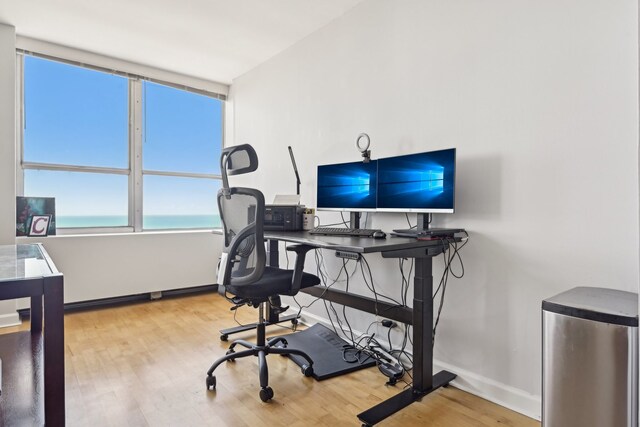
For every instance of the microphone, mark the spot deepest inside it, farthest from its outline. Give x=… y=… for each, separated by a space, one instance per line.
x=295 y=169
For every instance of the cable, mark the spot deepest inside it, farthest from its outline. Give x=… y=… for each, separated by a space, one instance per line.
x=353 y=352
x=449 y=255
x=348 y=225
x=409 y=222
x=371 y=286
x=323 y=275
x=286 y=254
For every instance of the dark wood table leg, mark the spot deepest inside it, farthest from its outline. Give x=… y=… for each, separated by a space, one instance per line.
x=54 y=399
x=36 y=313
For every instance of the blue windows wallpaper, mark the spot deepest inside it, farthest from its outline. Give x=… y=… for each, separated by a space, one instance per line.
x=423 y=181
x=347 y=186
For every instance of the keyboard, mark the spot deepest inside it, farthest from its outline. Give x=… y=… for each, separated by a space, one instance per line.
x=351 y=232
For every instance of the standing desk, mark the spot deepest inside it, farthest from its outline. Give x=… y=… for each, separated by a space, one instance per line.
x=27 y=271
x=420 y=316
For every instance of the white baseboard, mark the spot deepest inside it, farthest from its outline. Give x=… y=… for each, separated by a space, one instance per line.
x=494 y=391
x=11 y=319
x=486 y=388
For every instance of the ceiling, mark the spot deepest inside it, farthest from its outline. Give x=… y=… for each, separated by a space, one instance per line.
x=216 y=40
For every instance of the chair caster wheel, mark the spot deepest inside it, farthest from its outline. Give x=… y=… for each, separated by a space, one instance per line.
x=266 y=394
x=307 y=370
x=230 y=351
x=211 y=382
x=224 y=337
x=294 y=321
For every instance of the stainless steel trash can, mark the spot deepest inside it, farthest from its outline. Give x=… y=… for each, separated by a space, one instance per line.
x=590 y=359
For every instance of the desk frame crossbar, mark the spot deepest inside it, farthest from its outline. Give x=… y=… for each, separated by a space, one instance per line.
x=370 y=305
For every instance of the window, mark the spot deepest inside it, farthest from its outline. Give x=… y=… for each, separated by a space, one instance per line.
x=118 y=151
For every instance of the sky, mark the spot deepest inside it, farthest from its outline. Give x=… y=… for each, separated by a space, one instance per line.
x=76 y=116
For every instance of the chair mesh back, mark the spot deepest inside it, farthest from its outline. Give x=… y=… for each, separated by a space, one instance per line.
x=243 y=234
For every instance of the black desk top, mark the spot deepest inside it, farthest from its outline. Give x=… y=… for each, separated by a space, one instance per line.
x=351 y=244
x=348 y=243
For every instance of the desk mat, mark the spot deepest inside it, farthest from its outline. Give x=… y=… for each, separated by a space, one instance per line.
x=325 y=349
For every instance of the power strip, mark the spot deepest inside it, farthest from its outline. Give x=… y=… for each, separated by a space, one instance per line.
x=348 y=255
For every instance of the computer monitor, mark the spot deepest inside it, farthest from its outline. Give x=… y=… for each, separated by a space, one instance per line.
x=347 y=186
x=423 y=182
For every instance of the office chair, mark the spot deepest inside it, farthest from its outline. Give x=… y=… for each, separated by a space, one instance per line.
x=243 y=273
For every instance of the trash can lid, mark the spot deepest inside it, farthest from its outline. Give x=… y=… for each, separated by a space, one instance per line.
x=598 y=304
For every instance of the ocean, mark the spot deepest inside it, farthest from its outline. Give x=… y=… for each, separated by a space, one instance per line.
x=149 y=222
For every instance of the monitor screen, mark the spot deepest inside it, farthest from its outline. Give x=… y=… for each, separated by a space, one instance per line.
x=347 y=186
x=422 y=182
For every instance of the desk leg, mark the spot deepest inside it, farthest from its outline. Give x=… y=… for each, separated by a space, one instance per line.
x=35 y=313
x=273 y=260
x=273 y=254
x=423 y=324
x=424 y=382
x=54 y=406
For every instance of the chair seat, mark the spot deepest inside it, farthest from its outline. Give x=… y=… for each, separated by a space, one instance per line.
x=274 y=281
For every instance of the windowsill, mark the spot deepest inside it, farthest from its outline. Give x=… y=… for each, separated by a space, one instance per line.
x=216 y=231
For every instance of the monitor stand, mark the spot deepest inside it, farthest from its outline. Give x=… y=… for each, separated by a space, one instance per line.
x=354 y=220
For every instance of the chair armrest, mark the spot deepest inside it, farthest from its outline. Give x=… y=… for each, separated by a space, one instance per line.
x=301 y=253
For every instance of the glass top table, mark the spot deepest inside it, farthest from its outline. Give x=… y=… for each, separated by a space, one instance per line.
x=18 y=262
x=28 y=271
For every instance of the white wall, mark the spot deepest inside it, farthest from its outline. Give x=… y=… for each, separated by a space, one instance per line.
x=7 y=133
x=104 y=266
x=541 y=101
x=8 y=314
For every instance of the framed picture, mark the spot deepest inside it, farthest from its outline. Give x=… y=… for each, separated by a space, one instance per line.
x=27 y=207
x=39 y=226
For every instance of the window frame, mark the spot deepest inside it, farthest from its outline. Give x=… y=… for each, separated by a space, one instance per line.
x=134 y=171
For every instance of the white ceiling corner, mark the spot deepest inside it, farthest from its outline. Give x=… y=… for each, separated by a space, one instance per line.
x=216 y=40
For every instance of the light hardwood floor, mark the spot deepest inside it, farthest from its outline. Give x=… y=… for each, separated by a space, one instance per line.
x=145 y=365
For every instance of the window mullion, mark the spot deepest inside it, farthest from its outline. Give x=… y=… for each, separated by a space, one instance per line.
x=19 y=124
x=135 y=157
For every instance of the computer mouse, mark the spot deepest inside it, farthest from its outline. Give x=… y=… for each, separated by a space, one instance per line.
x=379 y=234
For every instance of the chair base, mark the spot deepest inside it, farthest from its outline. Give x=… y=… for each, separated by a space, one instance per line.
x=261 y=350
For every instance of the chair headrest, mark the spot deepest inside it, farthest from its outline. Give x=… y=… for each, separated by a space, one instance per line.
x=237 y=160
